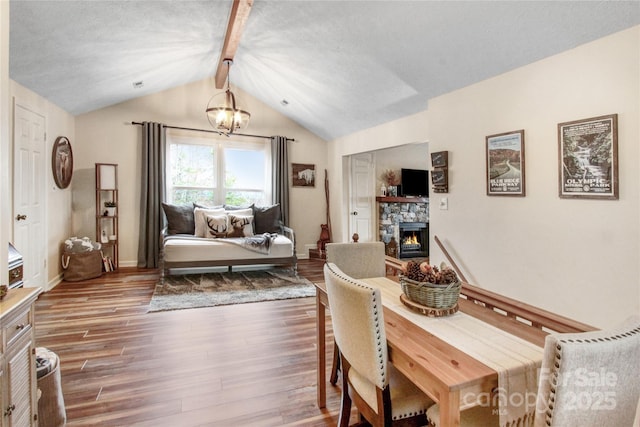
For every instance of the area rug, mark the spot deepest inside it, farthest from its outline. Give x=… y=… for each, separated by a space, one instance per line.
x=212 y=289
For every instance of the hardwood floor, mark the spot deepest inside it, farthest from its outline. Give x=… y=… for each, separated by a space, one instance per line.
x=239 y=365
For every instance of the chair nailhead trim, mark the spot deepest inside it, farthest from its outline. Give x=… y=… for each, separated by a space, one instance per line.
x=380 y=348
x=619 y=336
x=558 y=359
x=410 y=414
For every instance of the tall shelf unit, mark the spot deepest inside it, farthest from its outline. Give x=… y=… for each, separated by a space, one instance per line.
x=107 y=215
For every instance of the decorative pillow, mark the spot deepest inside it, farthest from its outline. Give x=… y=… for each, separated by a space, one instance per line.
x=179 y=219
x=198 y=205
x=237 y=208
x=267 y=219
x=242 y=212
x=217 y=225
x=245 y=211
x=200 y=217
x=240 y=225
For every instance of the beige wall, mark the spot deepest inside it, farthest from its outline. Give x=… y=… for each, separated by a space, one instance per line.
x=410 y=156
x=58 y=201
x=408 y=130
x=578 y=258
x=105 y=136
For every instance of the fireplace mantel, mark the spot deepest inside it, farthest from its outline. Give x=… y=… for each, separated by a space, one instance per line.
x=385 y=199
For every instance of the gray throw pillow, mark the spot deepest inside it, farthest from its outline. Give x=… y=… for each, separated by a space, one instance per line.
x=198 y=205
x=237 y=208
x=179 y=218
x=266 y=219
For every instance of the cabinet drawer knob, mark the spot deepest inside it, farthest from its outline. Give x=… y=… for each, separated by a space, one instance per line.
x=20 y=326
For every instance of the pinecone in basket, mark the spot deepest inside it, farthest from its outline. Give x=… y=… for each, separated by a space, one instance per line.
x=433 y=276
x=423 y=272
x=414 y=272
x=448 y=275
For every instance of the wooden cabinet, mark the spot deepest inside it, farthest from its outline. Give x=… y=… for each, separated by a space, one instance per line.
x=107 y=213
x=18 y=383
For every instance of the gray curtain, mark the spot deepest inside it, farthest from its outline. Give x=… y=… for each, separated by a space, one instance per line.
x=151 y=193
x=280 y=175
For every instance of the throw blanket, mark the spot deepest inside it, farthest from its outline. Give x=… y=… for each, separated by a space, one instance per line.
x=260 y=243
x=516 y=361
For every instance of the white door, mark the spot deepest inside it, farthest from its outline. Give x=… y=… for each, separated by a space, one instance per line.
x=29 y=167
x=361 y=197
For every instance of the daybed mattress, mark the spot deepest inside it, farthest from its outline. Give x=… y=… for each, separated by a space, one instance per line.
x=201 y=249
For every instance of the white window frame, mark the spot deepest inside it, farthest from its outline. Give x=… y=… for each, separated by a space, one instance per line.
x=220 y=143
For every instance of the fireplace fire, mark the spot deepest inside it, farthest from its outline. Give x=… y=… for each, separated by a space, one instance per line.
x=414 y=239
x=411 y=240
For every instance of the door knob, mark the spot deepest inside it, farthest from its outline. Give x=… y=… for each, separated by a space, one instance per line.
x=20 y=217
x=354 y=213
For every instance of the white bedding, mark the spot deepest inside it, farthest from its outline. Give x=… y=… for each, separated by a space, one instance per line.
x=201 y=249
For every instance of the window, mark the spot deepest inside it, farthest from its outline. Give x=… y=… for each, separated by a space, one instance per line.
x=212 y=171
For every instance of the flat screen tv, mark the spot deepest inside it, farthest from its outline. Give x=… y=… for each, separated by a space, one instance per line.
x=415 y=182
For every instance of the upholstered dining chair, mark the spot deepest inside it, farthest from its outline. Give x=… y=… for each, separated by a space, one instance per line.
x=587 y=379
x=383 y=396
x=357 y=260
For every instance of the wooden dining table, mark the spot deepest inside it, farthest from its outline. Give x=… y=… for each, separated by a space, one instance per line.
x=442 y=371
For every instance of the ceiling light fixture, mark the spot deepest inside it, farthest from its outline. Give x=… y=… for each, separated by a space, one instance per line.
x=222 y=112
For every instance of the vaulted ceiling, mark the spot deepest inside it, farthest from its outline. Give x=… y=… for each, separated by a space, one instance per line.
x=339 y=66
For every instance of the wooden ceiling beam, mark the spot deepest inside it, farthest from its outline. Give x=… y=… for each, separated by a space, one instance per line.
x=237 y=19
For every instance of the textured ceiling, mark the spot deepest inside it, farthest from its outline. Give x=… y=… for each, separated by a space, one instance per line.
x=342 y=66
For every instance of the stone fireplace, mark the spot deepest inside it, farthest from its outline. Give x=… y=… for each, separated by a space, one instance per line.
x=410 y=213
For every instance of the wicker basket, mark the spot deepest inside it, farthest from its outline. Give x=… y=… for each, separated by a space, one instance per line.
x=431 y=294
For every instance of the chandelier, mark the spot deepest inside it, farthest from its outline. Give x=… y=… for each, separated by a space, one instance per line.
x=222 y=112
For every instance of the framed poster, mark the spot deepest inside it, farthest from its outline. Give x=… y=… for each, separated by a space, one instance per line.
x=303 y=175
x=62 y=162
x=505 y=164
x=588 y=158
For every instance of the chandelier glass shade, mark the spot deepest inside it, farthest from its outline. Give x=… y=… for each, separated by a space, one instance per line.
x=223 y=113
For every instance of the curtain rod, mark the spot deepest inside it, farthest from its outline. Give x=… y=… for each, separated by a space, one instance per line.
x=218 y=132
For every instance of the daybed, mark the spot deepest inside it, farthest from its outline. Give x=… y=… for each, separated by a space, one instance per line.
x=198 y=236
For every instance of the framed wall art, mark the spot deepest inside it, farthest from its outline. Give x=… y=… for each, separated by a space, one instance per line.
x=505 y=164
x=62 y=162
x=439 y=177
x=439 y=159
x=304 y=175
x=588 y=158
x=440 y=174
